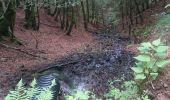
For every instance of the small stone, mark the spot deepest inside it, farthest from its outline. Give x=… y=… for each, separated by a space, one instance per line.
x=158 y=87
x=3 y=59
x=88 y=59
x=161 y=97
x=108 y=65
x=112 y=59
x=165 y=85
x=76 y=57
x=98 y=65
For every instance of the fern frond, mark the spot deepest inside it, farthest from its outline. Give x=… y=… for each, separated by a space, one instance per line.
x=46 y=94
x=20 y=93
x=32 y=93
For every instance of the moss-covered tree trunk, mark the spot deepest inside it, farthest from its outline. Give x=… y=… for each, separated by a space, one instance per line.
x=31 y=14
x=84 y=15
x=72 y=23
x=7 y=18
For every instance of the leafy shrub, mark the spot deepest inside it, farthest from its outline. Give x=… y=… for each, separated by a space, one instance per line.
x=163 y=24
x=81 y=95
x=151 y=60
x=129 y=91
x=31 y=93
x=143 y=31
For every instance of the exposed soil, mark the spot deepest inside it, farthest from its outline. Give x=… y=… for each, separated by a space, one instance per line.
x=49 y=42
x=99 y=61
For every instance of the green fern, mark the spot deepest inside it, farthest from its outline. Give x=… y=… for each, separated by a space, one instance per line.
x=32 y=92
x=19 y=94
x=81 y=95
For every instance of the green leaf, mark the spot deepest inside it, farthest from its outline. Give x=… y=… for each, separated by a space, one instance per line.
x=151 y=64
x=140 y=77
x=156 y=42
x=162 y=48
x=154 y=75
x=137 y=69
x=143 y=49
x=161 y=55
x=155 y=69
x=146 y=45
x=139 y=64
x=144 y=58
x=163 y=63
x=33 y=83
x=20 y=83
x=53 y=83
x=146 y=71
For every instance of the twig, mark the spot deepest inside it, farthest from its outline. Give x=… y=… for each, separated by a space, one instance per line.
x=152 y=86
x=58 y=66
x=49 y=25
x=23 y=51
x=36 y=40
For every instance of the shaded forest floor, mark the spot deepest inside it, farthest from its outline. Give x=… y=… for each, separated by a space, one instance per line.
x=51 y=44
x=48 y=44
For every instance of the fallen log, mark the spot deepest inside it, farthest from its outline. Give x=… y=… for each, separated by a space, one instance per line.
x=57 y=66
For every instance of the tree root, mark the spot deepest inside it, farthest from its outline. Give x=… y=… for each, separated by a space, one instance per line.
x=23 y=51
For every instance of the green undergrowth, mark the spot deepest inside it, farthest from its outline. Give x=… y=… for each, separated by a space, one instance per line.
x=159 y=28
x=144 y=31
x=32 y=92
x=162 y=28
x=163 y=23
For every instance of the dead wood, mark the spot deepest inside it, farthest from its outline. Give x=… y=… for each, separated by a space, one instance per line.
x=48 y=25
x=23 y=51
x=58 y=66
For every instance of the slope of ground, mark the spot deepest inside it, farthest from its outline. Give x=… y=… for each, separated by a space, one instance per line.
x=159 y=22
x=49 y=42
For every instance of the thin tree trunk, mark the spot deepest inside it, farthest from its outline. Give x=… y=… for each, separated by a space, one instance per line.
x=84 y=15
x=88 y=15
x=138 y=10
x=72 y=21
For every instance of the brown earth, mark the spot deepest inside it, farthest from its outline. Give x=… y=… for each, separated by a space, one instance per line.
x=49 y=42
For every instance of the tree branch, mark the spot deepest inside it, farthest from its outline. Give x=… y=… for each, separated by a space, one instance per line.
x=23 y=51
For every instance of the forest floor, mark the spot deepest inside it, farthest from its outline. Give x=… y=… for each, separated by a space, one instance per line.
x=40 y=48
x=50 y=44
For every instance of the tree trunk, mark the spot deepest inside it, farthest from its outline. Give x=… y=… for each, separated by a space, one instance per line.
x=72 y=22
x=84 y=15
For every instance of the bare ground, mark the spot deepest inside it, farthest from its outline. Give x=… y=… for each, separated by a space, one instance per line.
x=49 y=42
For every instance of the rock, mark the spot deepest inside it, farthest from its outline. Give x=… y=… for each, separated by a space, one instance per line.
x=165 y=85
x=3 y=59
x=112 y=59
x=98 y=65
x=161 y=97
x=76 y=57
x=108 y=65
